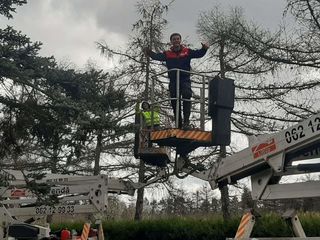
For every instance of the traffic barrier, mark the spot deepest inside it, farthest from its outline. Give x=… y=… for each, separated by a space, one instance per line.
x=85 y=231
x=245 y=226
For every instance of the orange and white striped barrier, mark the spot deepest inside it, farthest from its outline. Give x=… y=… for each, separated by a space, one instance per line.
x=192 y=134
x=85 y=231
x=245 y=227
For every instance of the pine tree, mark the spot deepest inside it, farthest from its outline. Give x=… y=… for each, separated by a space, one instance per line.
x=135 y=69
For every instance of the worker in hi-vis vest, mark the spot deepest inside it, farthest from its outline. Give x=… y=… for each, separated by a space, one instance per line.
x=147 y=115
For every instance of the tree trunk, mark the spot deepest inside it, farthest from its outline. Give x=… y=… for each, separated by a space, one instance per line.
x=55 y=154
x=140 y=194
x=96 y=168
x=225 y=202
x=140 y=191
x=224 y=190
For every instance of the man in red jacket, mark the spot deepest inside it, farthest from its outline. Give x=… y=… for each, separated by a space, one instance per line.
x=179 y=56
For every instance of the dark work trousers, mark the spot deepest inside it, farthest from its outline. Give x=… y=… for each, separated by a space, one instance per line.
x=185 y=93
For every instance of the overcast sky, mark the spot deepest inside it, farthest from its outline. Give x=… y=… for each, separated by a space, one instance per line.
x=69 y=29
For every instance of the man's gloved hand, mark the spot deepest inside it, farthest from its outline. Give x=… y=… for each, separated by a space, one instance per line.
x=205 y=45
x=147 y=51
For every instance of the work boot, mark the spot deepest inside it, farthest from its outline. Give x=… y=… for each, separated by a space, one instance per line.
x=186 y=125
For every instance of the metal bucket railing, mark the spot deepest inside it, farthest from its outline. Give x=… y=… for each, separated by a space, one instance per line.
x=200 y=87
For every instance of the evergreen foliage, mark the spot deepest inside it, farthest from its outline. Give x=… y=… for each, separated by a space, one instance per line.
x=269 y=225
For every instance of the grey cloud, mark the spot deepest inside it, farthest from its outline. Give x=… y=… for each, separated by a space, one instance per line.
x=70 y=27
x=112 y=15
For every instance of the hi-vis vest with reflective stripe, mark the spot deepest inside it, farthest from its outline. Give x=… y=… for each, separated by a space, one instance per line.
x=147 y=117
